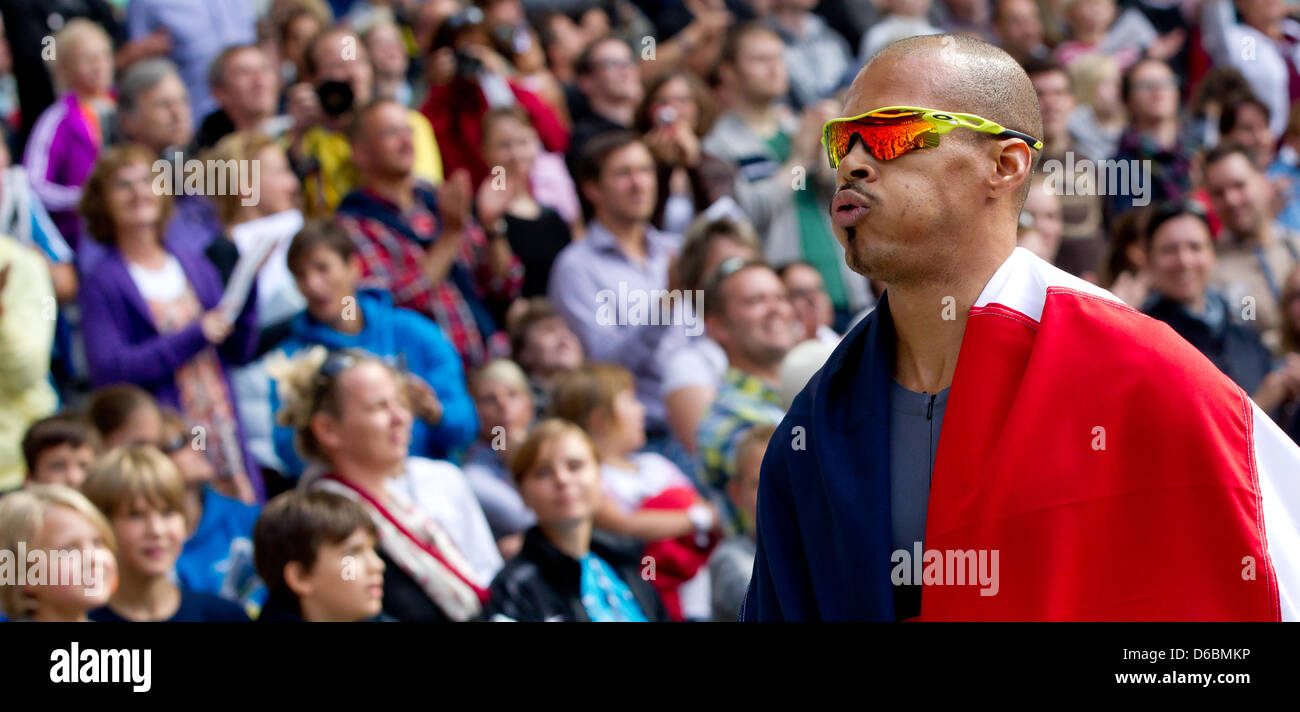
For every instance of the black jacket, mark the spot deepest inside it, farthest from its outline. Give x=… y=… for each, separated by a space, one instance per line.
x=1235 y=348
x=543 y=583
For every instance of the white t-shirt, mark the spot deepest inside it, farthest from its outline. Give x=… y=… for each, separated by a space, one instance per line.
x=440 y=490
x=700 y=363
x=161 y=285
x=654 y=474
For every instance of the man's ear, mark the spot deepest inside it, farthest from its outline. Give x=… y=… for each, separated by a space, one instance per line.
x=297 y=579
x=1012 y=167
x=590 y=191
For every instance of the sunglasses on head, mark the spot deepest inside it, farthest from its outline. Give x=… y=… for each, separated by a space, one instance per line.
x=335 y=363
x=891 y=131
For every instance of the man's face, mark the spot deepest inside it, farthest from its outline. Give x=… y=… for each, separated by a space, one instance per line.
x=627 y=185
x=1054 y=99
x=1238 y=192
x=386 y=146
x=342 y=57
x=551 y=347
x=1181 y=259
x=250 y=85
x=1153 y=92
x=757 y=320
x=760 y=67
x=614 y=78
x=385 y=45
x=903 y=220
x=1091 y=16
x=1252 y=132
x=812 y=305
x=162 y=118
x=1019 y=26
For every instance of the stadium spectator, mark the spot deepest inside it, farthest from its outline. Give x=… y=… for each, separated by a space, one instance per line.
x=350 y=415
x=70 y=133
x=423 y=246
x=54 y=518
x=140 y=491
x=784 y=185
x=151 y=315
x=565 y=572
x=338 y=82
x=59 y=450
x=324 y=261
x=308 y=546
x=470 y=79
x=692 y=373
x=732 y=561
x=197 y=32
x=622 y=258
x=544 y=346
x=526 y=186
x=505 y=410
x=1181 y=255
x=646 y=496
x=1255 y=253
x=27 y=314
x=748 y=312
x=247 y=91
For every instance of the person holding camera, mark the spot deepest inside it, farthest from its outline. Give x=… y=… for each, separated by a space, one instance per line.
x=469 y=79
x=339 y=79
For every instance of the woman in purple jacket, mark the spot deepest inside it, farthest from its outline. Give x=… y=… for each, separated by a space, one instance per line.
x=150 y=316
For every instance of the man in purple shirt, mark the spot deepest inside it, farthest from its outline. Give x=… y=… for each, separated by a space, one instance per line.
x=612 y=287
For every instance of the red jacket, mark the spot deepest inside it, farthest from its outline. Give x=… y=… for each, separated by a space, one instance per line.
x=456 y=111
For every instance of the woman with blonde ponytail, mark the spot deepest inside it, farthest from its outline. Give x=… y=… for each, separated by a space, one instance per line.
x=351 y=417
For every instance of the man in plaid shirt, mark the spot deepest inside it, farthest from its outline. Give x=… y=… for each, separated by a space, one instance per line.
x=422 y=245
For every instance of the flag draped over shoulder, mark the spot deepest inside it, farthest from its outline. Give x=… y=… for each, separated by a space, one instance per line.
x=1114 y=471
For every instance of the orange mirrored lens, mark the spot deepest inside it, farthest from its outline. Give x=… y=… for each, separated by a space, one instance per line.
x=885 y=138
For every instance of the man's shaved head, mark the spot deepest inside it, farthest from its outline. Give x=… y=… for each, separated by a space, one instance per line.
x=934 y=210
x=977 y=78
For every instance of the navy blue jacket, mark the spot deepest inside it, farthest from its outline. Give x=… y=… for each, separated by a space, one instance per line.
x=823 y=496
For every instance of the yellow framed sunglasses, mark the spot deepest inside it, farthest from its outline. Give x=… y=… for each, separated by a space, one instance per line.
x=891 y=131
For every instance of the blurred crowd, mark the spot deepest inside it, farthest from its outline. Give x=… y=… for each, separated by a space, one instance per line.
x=487 y=309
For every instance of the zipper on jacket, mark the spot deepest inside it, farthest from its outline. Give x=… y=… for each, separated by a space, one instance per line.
x=929 y=409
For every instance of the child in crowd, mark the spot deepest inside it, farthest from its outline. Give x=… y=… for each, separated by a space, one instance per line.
x=218 y=554
x=59 y=450
x=142 y=494
x=732 y=562
x=124 y=415
x=564 y=572
x=69 y=134
x=505 y=411
x=543 y=345
x=316 y=551
x=55 y=518
x=646 y=496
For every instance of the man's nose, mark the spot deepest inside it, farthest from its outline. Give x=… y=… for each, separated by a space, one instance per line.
x=857 y=165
